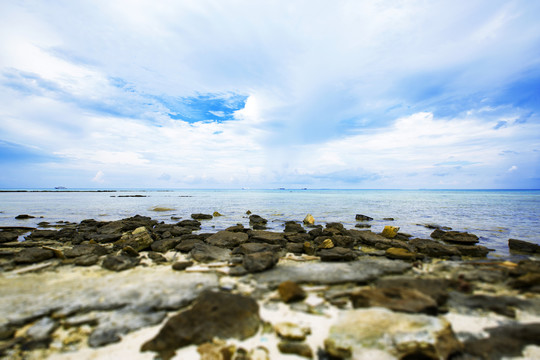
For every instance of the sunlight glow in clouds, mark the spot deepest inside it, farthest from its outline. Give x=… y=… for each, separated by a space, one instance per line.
x=237 y=93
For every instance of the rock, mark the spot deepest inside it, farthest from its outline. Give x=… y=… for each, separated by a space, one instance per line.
x=227 y=239
x=337 y=254
x=86 y=249
x=455 y=237
x=259 y=261
x=294 y=347
x=216 y=214
x=360 y=217
x=216 y=350
x=395 y=298
x=503 y=305
x=6 y=236
x=119 y=262
x=209 y=253
x=39 y=334
x=523 y=246
x=87 y=260
x=294 y=248
x=293 y=227
x=181 y=265
x=525 y=282
x=187 y=245
x=33 y=255
x=268 y=237
x=213 y=314
x=43 y=234
x=139 y=239
x=298 y=237
x=201 y=216
x=326 y=244
x=402 y=254
x=363 y=226
x=388 y=219
x=308 y=248
x=361 y=271
x=165 y=245
x=436 y=288
x=309 y=220
x=236 y=228
x=156 y=257
x=257 y=220
x=377 y=241
x=250 y=248
x=259 y=353
x=506 y=341
x=129 y=252
x=390 y=232
x=289 y=291
x=193 y=224
x=291 y=331
x=24 y=217
x=433 y=248
x=473 y=250
x=382 y=334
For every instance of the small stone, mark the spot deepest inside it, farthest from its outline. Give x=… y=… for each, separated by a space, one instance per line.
x=260 y=261
x=156 y=257
x=201 y=216
x=388 y=219
x=216 y=214
x=24 y=217
x=309 y=220
x=259 y=353
x=290 y=291
x=181 y=265
x=360 y=217
x=298 y=348
x=216 y=350
x=326 y=244
x=390 y=232
x=290 y=331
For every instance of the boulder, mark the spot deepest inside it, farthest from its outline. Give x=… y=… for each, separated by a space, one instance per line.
x=213 y=315
x=250 y=248
x=390 y=232
x=24 y=217
x=165 y=245
x=396 y=299
x=256 y=220
x=291 y=331
x=433 y=248
x=382 y=334
x=259 y=261
x=523 y=246
x=85 y=250
x=309 y=220
x=201 y=216
x=119 y=262
x=293 y=227
x=436 y=288
x=268 y=237
x=456 y=237
x=367 y=237
x=337 y=254
x=139 y=239
x=227 y=239
x=290 y=291
x=86 y=260
x=187 y=245
x=473 y=250
x=33 y=255
x=209 y=253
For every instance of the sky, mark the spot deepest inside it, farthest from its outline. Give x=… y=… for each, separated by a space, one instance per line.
x=389 y=94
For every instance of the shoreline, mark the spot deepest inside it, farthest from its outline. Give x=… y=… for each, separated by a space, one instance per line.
x=113 y=285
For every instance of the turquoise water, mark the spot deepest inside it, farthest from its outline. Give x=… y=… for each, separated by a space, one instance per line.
x=495 y=216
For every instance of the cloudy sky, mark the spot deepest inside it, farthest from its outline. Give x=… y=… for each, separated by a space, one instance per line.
x=265 y=94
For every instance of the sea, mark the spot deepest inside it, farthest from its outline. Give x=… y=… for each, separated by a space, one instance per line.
x=494 y=215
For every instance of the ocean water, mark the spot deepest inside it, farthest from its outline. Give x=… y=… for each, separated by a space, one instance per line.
x=493 y=215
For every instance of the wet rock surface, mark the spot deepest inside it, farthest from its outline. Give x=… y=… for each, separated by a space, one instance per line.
x=323 y=291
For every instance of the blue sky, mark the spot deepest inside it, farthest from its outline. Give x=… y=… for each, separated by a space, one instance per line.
x=260 y=94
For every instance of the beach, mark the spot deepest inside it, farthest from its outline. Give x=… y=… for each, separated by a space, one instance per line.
x=138 y=287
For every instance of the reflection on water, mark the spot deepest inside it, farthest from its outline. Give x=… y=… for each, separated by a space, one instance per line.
x=495 y=216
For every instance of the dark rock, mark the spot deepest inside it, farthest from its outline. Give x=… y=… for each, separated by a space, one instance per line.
x=361 y=271
x=456 y=237
x=7 y=331
x=227 y=239
x=396 y=299
x=182 y=265
x=298 y=237
x=38 y=336
x=250 y=248
x=360 y=217
x=268 y=237
x=6 y=236
x=293 y=227
x=139 y=239
x=388 y=219
x=236 y=228
x=362 y=226
x=86 y=260
x=527 y=281
x=473 y=250
x=257 y=221
x=503 y=305
x=129 y=252
x=213 y=314
x=295 y=248
x=523 y=246
x=201 y=216
x=504 y=341
x=436 y=288
x=259 y=261
x=289 y=291
x=337 y=254
x=43 y=234
x=343 y=241
x=119 y=262
x=24 y=217
x=156 y=257
x=104 y=238
x=86 y=249
x=295 y=347
x=165 y=245
x=335 y=225
x=377 y=241
x=33 y=255
x=237 y=271
x=209 y=253
x=187 y=245
x=435 y=226
x=402 y=237
x=189 y=224
x=433 y=248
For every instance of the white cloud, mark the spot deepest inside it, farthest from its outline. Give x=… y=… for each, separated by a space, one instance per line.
x=512 y=168
x=98 y=178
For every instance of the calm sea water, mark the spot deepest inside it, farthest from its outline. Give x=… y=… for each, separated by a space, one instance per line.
x=495 y=216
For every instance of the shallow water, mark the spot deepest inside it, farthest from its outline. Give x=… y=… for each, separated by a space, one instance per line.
x=495 y=216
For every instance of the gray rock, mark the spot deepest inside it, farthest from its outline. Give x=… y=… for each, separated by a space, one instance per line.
x=293 y=227
x=39 y=334
x=87 y=260
x=455 y=237
x=436 y=288
x=139 y=239
x=433 y=248
x=268 y=237
x=119 y=262
x=6 y=236
x=361 y=271
x=257 y=220
x=250 y=248
x=86 y=249
x=523 y=246
x=503 y=305
x=337 y=254
x=295 y=347
x=187 y=245
x=227 y=239
x=260 y=261
x=367 y=237
x=209 y=253
x=473 y=250
x=165 y=245
x=33 y=255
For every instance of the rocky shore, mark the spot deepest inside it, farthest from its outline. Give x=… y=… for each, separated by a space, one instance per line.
x=141 y=289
